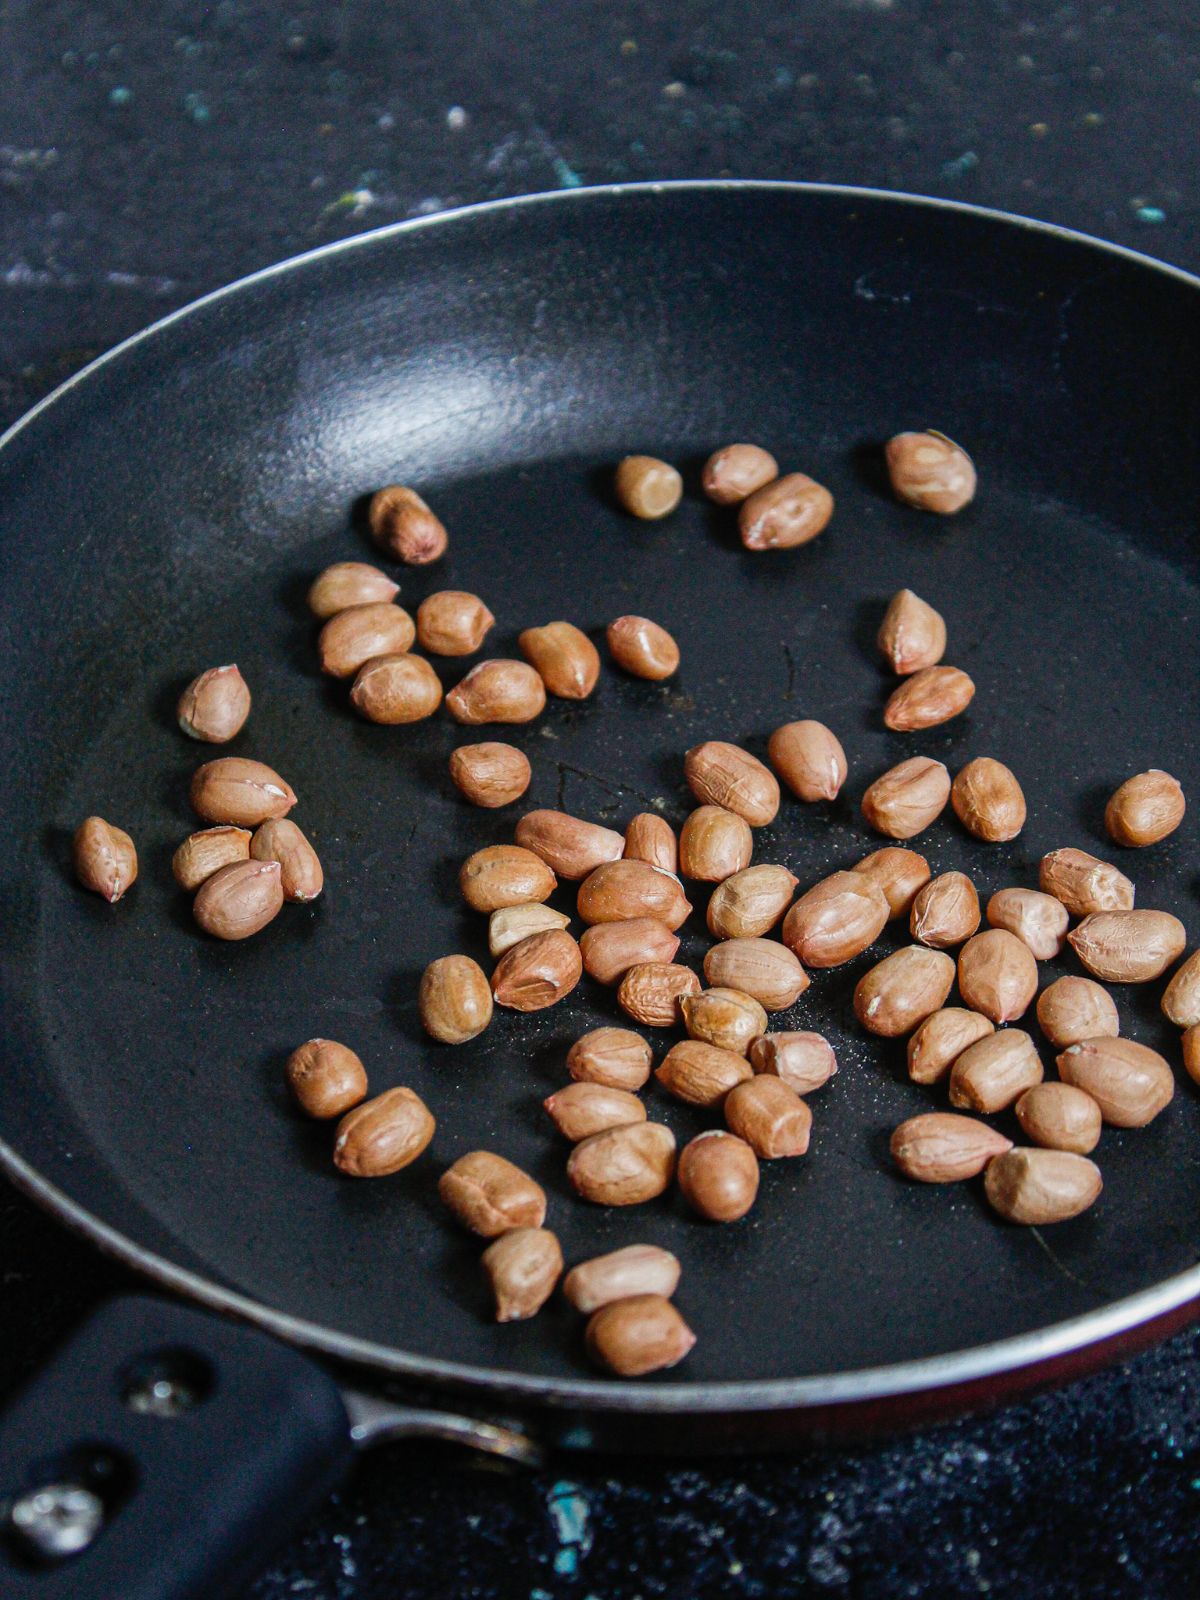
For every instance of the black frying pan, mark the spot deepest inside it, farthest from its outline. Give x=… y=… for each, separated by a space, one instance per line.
x=165 y=511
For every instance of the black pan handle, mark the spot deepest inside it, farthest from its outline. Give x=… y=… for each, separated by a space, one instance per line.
x=162 y=1455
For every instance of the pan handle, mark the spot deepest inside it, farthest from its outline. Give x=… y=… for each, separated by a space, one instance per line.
x=162 y=1454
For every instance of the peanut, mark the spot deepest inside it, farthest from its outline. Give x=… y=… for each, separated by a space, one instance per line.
x=1073 y=1009
x=995 y=1071
x=623 y=1166
x=641 y=1334
x=835 y=920
x=804 y=1061
x=642 y=648
x=1040 y=1186
x=538 y=972
x=522 y=1266
x=899 y=873
x=346 y=584
x=497 y=691
x=714 y=844
x=569 y=846
x=396 y=689
x=721 y=774
x=508 y=925
x=616 y=1057
x=907 y=797
x=809 y=759
x=405 y=526
x=1037 y=919
x=566 y=658
x=945 y=912
x=650 y=838
x=1181 y=998
x=900 y=991
x=1129 y=1082
x=637 y=1269
x=651 y=991
x=504 y=875
x=1145 y=809
x=718 y=1176
x=326 y=1077
x=930 y=697
x=240 y=899
x=988 y=800
x=912 y=634
x=736 y=471
x=582 y=1109
x=360 y=633
x=233 y=789
x=997 y=974
x=215 y=705
x=647 y=487
x=749 y=903
x=786 y=513
x=941 y=1039
x=1083 y=883
x=701 y=1074
x=105 y=858
x=453 y=622
x=203 y=853
x=725 y=1017
x=619 y=891
x=490 y=774
x=383 y=1135
x=455 y=999
x=930 y=472
x=609 y=949
x=762 y=968
x=1128 y=946
x=300 y=873
x=1060 y=1117
x=769 y=1116
x=942 y=1147
x=490 y=1195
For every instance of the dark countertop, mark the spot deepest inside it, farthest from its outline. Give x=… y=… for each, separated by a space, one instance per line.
x=150 y=154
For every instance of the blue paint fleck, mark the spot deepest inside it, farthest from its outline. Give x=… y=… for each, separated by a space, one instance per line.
x=961 y=165
x=120 y=96
x=567 y=177
x=196 y=107
x=1150 y=214
x=569 y=1512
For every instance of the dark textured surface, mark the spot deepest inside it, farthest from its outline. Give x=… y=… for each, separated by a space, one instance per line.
x=201 y=173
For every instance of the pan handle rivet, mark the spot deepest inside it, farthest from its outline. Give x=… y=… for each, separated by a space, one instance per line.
x=56 y=1520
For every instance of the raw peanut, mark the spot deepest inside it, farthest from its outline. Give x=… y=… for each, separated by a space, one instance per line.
x=497 y=691
x=641 y=1334
x=1083 y=883
x=510 y=924
x=619 y=891
x=538 y=972
x=490 y=774
x=1037 y=919
x=1181 y=998
x=647 y=487
x=360 y=633
x=233 y=789
x=899 y=873
x=240 y=899
x=453 y=622
x=942 y=1147
x=900 y=991
x=1128 y=946
x=945 y=911
x=609 y=949
x=651 y=838
x=326 y=1077
x=1129 y=1082
x=1040 y=1186
x=1060 y=1117
x=930 y=472
x=105 y=858
x=749 y=903
x=995 y=1071
x=383 y=1135
x=623 y=1166
x=736 y=471
x=582 y=1109
x=728 y=1018
x=997 y=974
x=718 y=1176
x=770 y=1117
x=396 y=689
x=1191 y=1053
x=701 y=1074
x=1073 y=1009
x=835 y=920
x=809 y=759
x=642 y=648
x=202 y=854
x=567 y=660
x=941 y=1039
x=504 y=875
x=907 y=798
x=349 y=583
x=300 y=873
x=215 y=705
x=616 y=1057
x=721 y=774
x=988 y=800
x=930 y=697
x=762 y=968
x=912 y=635
x=804 y=1061
x=786 y=513
x=714 y=844
x=651 y=991
x=405 y=526
x=455 y=999
x=490 y=1195
x=638 y=1269
x=522 y=1266
x=1145 y=809
x=568 y=845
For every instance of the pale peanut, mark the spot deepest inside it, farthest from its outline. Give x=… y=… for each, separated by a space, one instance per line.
x=762 y=968
x=647 y=487
x=930 y=472
x=453 y=622
x=736 y=471
x=568 y=845
x=301 y=876
x=234 y=789
x=1037 y=1187
x=722 y=774
x=650 y=992
x=617 y=1057
x=804 y=1061
x=1181 y=998
x=942 y=1147
x=995 y=1071
x=809 y=758
x=405 y=526
x=651 y=838
x=641 y=1334
x=394 y=690
x=538 y=972
x=718 y=1176
x=214 y=706
x=239 y=900
x=360 y=633
x=1083 y=883
x=497 y=691
x=988 y=800
x=326 y=1078
x=455 y=999
x=1128 y=946
x=749 y=903
x=1072 y=1009
x=714 y=844
x=582 y=1109
x=566 y=658
x=728 y=1018
x=522 y=1266
x=1037 y=919
x=609 y=949
x=642 y=648
x=204 y=853
x=490 y=1195
x=769 y=1116
x=786 y=513
x=930 y=697
x=997 y=974
x=941 y=1039
x=383 y=1135
x=701 y=1074
x=490 y=774
x=912 y=634
x=945 y=912
x=900 y=991
x=346 y=584
x=636 y=1269
x=907 y=797
x=623 y=1166
x=622 y=890
x=508 y=925
x=1145 y=809
x=835 y=920
x=1060 y=1117
x=105 y=858
x=504 y=875
x=899 y=873
x=1129 y=1082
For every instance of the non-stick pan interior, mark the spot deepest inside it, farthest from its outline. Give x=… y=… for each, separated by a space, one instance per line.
x=167 y=514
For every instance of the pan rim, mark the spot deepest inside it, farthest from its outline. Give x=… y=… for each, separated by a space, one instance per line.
x=923 y=1375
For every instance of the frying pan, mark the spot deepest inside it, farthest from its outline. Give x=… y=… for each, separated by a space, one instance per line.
x=166 y=509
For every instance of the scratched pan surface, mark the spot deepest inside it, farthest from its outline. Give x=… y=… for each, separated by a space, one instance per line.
x=166 y=511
